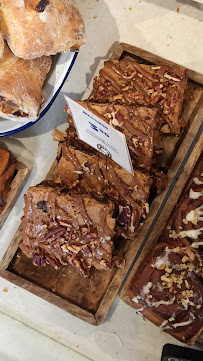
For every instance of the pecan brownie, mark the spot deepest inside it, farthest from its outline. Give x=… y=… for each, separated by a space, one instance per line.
x=95 y=173
x=139 y=124
x=160 y=86
x=167 y=290
x=62 y=226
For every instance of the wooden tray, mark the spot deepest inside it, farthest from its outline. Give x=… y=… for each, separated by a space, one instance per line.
x=66 y=288
x=17 y=184
x=182 y=185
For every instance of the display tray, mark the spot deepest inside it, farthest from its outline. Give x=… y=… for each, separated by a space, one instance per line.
x=180 y=189
x=66 y=288
x=17 y=184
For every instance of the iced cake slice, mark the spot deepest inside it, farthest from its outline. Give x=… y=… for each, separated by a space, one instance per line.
x=167 y=290
x=160 y=86
x=186 y=222
x=62 y=226
x=139 y=124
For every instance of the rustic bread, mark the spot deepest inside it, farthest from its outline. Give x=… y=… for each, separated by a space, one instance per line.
x=34 y=28
x=21 y=84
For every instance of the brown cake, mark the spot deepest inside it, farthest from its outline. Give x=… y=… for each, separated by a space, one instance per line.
x=139 y=124
x=160 y=86
x=167 y=290
x=186 y=222
x=82 y=166
x=7 y=169
x=61 y=227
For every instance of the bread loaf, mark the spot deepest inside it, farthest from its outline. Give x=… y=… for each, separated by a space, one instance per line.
x=34 y=28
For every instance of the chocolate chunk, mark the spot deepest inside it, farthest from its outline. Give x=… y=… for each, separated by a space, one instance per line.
x=42 y=5
x=42 y=205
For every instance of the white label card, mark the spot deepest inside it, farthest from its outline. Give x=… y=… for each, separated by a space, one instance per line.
x=100 y=135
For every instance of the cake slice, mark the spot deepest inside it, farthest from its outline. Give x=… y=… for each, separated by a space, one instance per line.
x=7 y=169
x=91 y=171
x=139 y=124
x=167 y=291
x=62 y=226
x=160 y=86
x=186 y=222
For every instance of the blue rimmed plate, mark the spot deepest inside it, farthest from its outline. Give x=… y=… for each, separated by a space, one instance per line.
x=61 y=67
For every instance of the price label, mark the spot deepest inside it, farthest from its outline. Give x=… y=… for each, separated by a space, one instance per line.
x=100 y=135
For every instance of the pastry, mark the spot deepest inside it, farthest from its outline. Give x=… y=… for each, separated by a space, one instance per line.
x=62 y=226
x=186 y=222
x=167 y=290
x=160 y=86
x=21 y=84
x=7 y=169
x=139 y=124
x=34 y=28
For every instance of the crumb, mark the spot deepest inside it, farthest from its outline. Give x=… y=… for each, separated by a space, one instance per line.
x=200 y=20
x=78 y=345
x=75 y=333
x=130 y=8
x=94 y=17
x=178 y=10
x=5 y=290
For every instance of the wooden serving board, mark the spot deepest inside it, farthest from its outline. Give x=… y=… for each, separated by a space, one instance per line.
x=66 y=288
x=17 y=184
x=181 y=187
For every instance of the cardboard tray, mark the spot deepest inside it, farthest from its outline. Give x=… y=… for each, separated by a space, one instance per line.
x=182 y=185
x=66 y=288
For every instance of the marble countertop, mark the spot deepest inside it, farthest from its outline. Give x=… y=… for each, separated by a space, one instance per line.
x=171 y=29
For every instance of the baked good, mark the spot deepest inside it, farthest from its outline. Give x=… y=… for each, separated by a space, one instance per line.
x=160 y=86
x=21 y=84
x=186 y=222
x=62 y=226
x=7 y=169
x=167 y=290
x=34 y=28
x=82 y=166
x=1 y=45
x=139 y=124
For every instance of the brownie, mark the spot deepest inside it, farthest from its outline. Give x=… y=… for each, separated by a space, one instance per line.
x=95 y=173
x=167 y=290
x=7 y=169
x=62 y=226
x=160 y=86
x=139 y=124
x=186 y=222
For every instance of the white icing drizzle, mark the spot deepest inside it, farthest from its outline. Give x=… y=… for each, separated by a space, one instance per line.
x=163 y=260
x=193 y=233
x=195 y=244
x=135 y=299
x=197 y=181
x=181 y=324
x=195 y=195
x=146 y=288
x=164 y=323
x=195 y=215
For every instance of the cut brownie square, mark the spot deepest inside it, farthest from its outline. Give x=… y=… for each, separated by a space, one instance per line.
x=128 y=82
x=167 y=291
x=7 y=169
x=95 y=173
x=186 y=222
x=139 y=124
x=61 y=227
